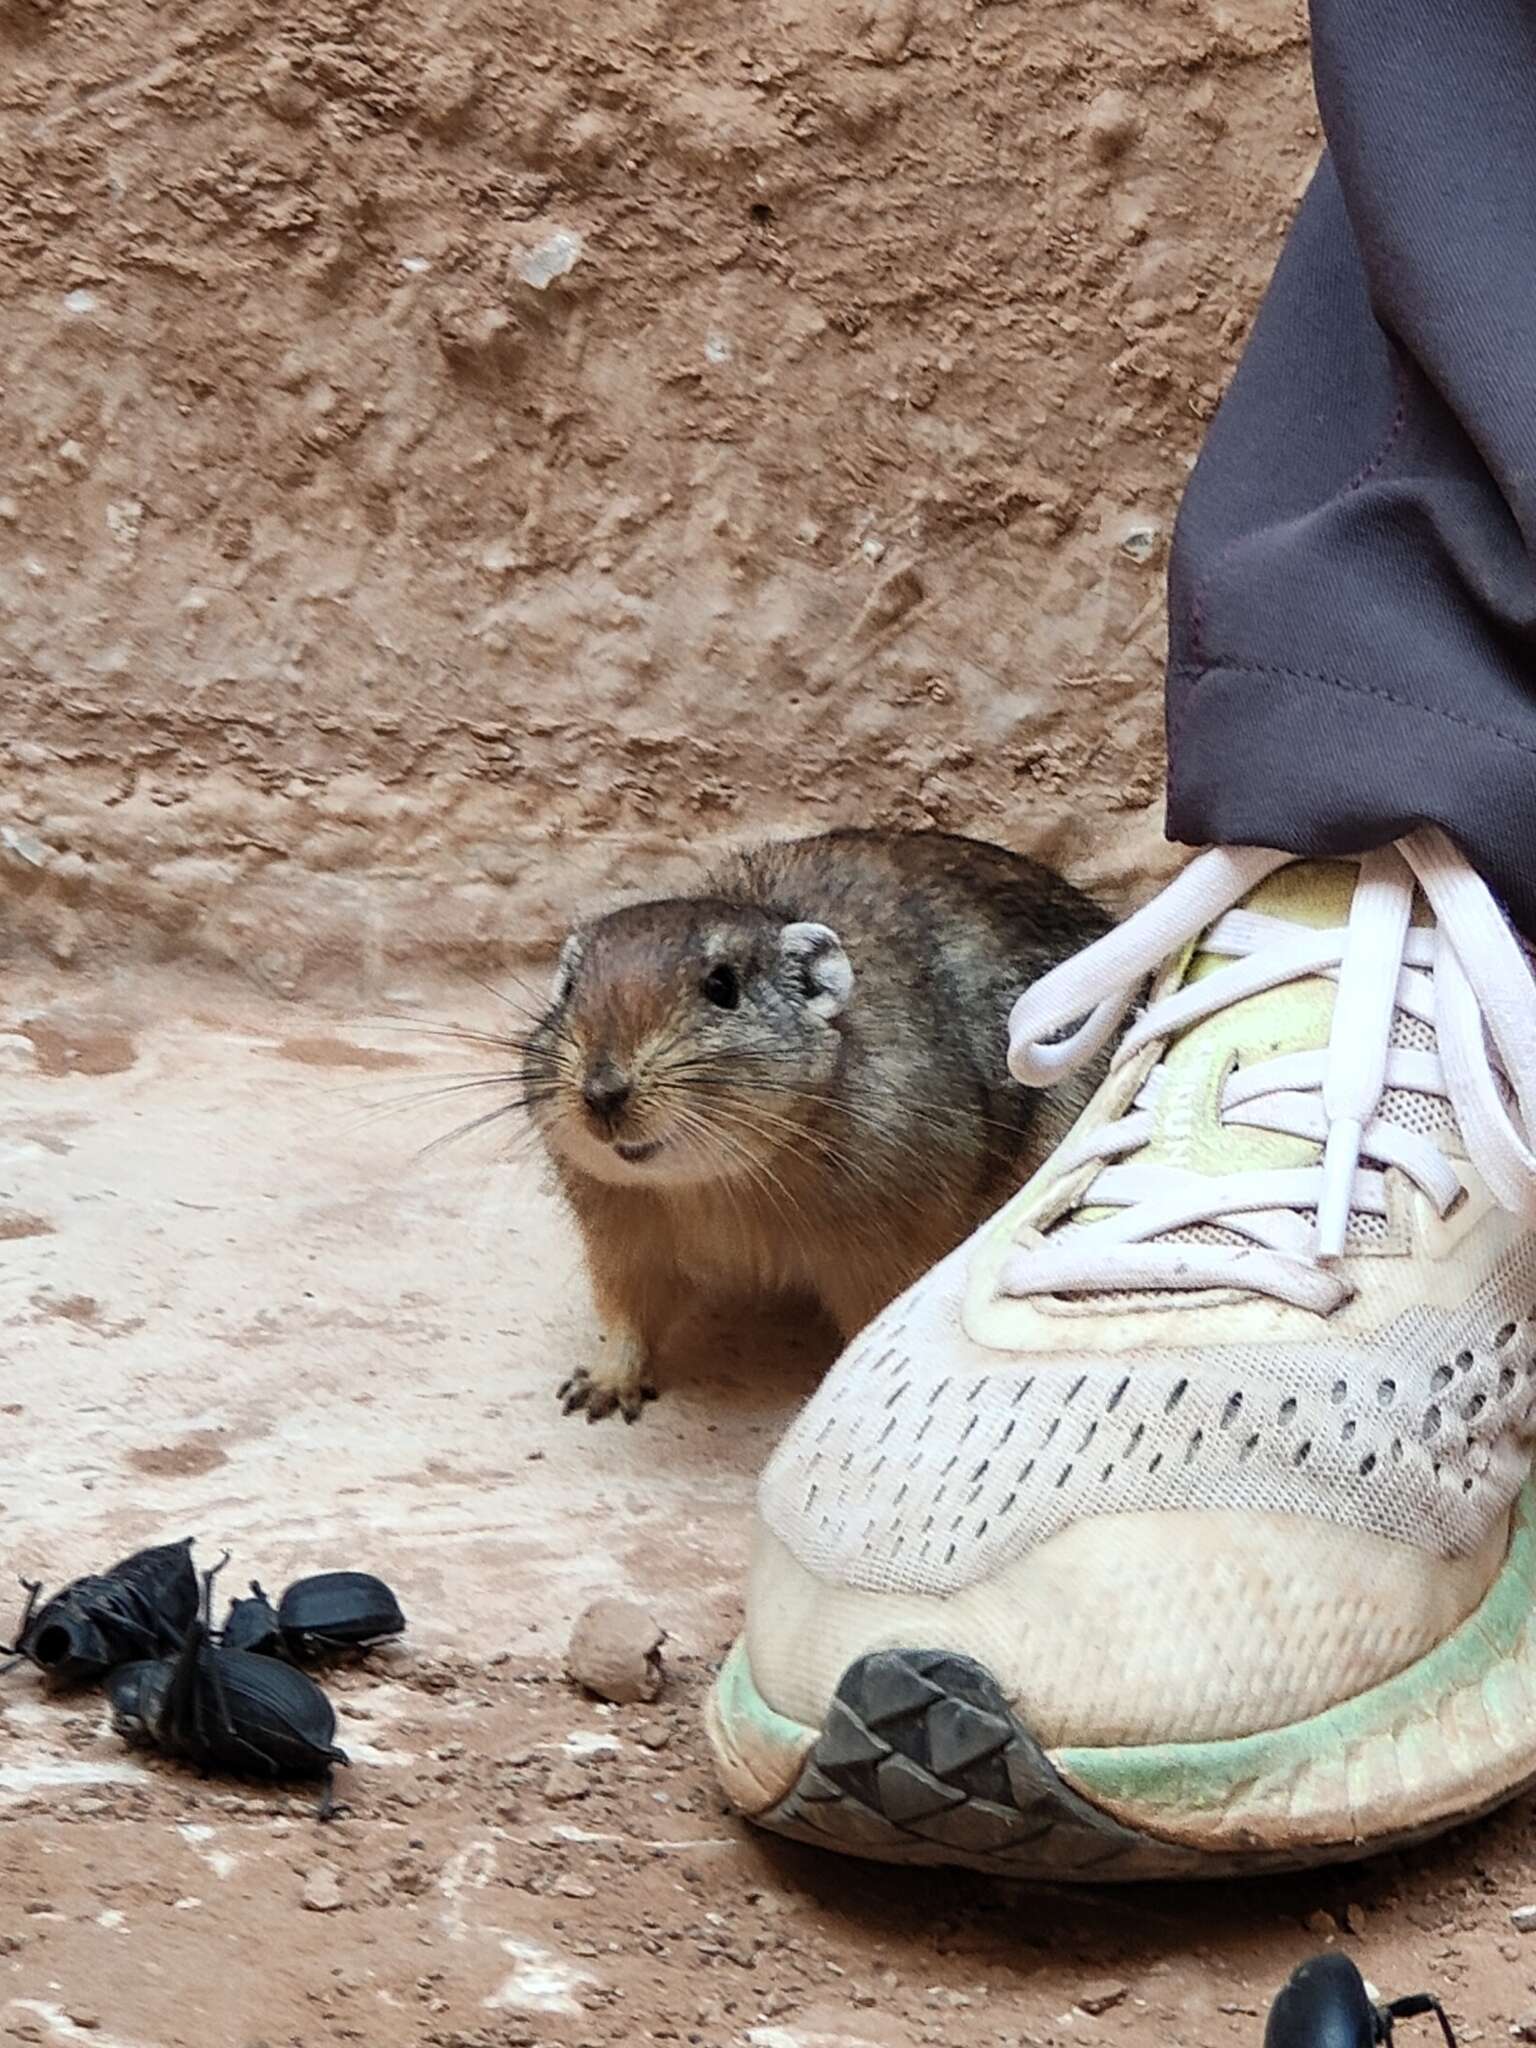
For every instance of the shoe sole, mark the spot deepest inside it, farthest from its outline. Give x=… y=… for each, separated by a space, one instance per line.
x=921 y=1759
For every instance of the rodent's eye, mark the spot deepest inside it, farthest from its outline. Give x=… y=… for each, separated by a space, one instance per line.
x=722 y=987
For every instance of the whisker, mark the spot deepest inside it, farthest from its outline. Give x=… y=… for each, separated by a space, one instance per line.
x=532 y=1004
x=928 y=1110
x=878 y=1123
x=467 y=1130
x=756 y=1170
x=465 y=1034
x=419 y=1097
x=398 y=1104
x=837 y=1159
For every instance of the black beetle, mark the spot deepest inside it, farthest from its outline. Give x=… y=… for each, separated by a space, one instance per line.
x=337 y=1611
x=228 y=1709
x=1325 y=2004
x=252 y=1625
x=141 y=1607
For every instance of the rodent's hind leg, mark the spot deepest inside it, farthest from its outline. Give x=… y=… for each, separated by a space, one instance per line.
x=620 y=1381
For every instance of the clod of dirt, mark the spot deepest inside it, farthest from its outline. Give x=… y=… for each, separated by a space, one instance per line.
x=475 y=335
x=615 y=1652
x=322 y=1890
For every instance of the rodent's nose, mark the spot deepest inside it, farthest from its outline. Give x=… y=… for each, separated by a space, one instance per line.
x=605 y=1093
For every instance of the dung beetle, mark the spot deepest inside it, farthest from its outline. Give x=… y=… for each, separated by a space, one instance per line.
x=141 y=1607
x=1324 y=2004
x=228 y=1709
x=337 y=1611
x=252 y=1625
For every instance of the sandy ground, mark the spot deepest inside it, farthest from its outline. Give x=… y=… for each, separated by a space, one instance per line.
x=237 y=1302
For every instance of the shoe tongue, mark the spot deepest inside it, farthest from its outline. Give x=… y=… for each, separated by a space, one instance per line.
x=1296 y=1017
x=1311 y=892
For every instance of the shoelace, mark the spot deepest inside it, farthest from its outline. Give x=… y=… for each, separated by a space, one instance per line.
x=1467 y=978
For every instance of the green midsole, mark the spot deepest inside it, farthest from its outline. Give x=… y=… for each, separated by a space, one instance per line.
x=1447 y=1734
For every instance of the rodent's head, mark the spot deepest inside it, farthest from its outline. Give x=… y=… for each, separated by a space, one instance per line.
x=688 y=1041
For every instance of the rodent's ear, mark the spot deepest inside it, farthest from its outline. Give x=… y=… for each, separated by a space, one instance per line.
x=817 y=951
x=565 y=972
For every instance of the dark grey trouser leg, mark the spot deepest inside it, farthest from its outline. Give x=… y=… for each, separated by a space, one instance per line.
x=1353 y=587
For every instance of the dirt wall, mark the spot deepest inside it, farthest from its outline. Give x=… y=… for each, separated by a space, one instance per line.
x=457 y=459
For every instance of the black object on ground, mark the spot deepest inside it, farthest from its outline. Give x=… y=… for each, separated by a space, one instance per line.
x=337 y=1611
x=141 y=1607
x=1324 y=2004
x=228 y=1709
x=251 y=1624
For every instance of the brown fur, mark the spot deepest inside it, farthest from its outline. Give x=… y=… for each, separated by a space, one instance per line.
x=812 y=1141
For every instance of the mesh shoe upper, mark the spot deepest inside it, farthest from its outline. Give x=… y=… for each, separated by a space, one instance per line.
x=1211 y=1299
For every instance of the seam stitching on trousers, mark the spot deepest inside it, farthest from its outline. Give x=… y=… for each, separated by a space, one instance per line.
x=1399 y=421
x=1187 y=672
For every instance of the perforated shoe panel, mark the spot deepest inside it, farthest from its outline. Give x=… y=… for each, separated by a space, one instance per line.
x=928 y=1461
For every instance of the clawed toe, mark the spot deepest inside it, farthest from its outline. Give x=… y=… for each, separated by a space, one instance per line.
x=581 y=1394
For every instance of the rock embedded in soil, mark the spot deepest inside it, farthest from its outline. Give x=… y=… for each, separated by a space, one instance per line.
x=1101 y=1996
x=322 y=1890
x=615 y=1652
x=286 y=95
x=566 y=1781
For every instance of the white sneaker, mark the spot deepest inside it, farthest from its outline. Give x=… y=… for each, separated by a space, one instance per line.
x=1180 y=1522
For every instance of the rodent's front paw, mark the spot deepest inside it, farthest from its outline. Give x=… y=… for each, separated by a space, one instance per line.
x=588 y=1393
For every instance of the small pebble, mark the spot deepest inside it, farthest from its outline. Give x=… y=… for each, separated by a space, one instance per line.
x=566 y=1780
x=1323 y=1925
x=286 y=95
x=1101 y=1996
x=18 y=1055
x=615 y=1652
x=1523 y=1919
x=322 y=1890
